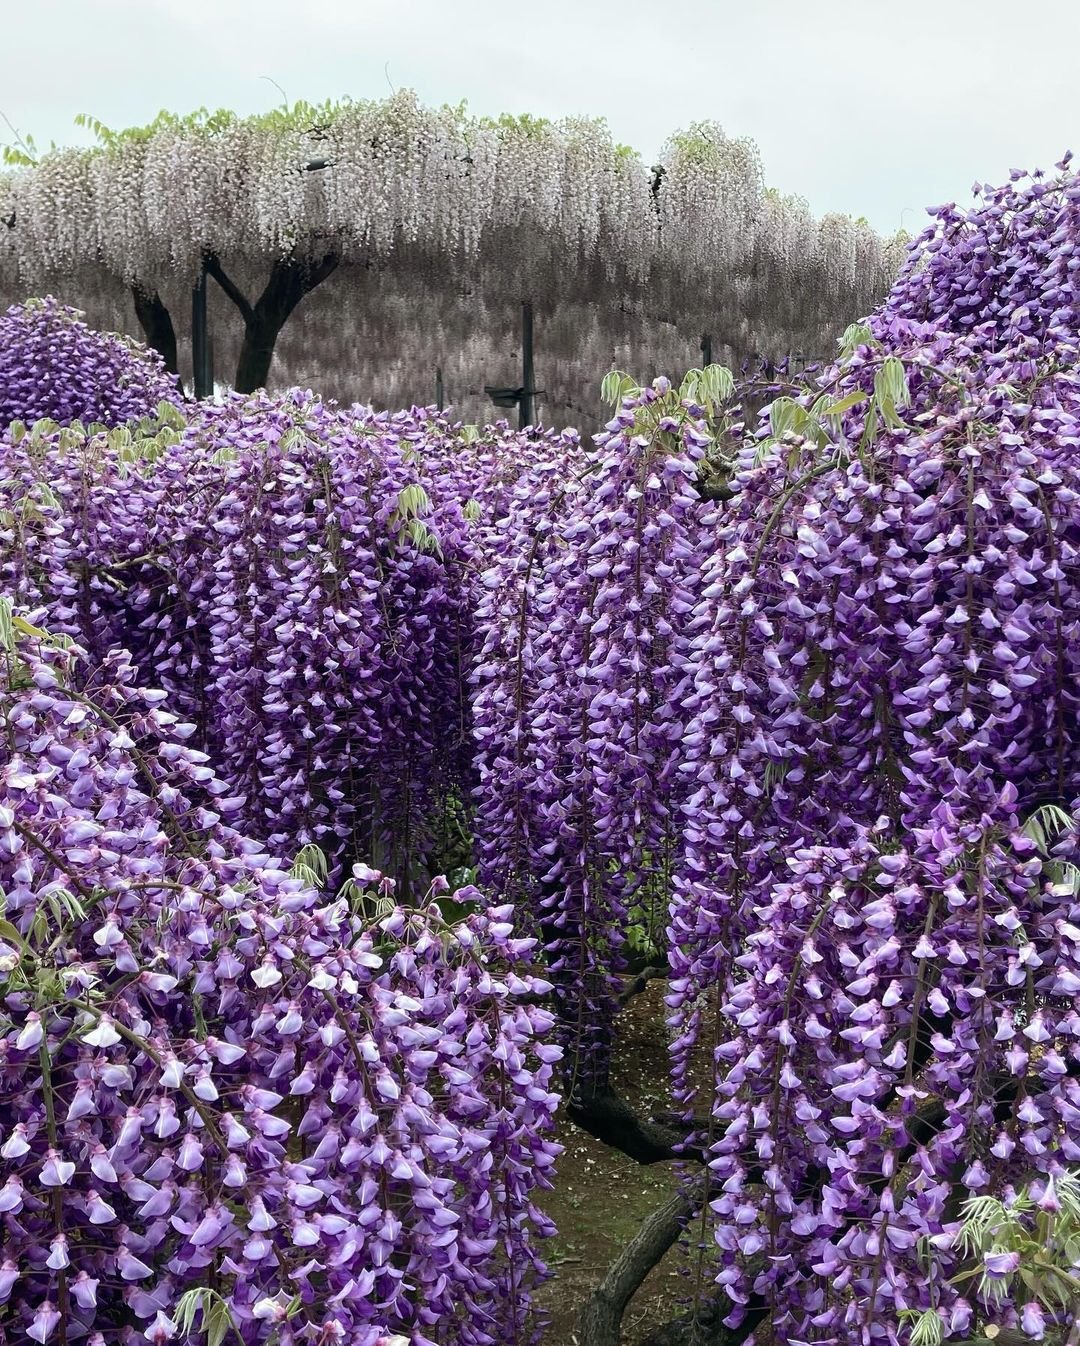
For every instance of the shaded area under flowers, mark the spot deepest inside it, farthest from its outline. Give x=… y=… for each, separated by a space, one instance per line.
x=601 y=1197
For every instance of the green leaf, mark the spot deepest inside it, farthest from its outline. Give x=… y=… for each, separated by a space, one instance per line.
x=9 y=933
x=857 y=334
x=7 y=625
x=187 y=1308
x=1048 y=823
x=843 y=404
x=890 y=382
x=610 y=386
x=785 y=415
x=615 y=385
x=310 y=866
x=413 y=501
x=718 y=382
x=218 y=1322
x=929 y=1329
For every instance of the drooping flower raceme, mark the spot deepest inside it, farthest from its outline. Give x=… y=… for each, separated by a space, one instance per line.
x=212 y=1077
x=300 y=579
x=52 y=365
x=576 y=703
x=874 y=928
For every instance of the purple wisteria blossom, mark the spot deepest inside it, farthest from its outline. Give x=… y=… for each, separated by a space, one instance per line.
x=577 y=701
x=52 y=365
x=300 y=578
x=886 y=657
x=212 y=1076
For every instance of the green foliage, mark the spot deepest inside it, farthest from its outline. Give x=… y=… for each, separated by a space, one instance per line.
x=285 y=118
x=413 y=503
x=854 y=335
x=616 y=385
x=1046 y=1239
x=14 y=628
x=299 y=116
x=697 y=144
x=928 y=1329
x=1044 y=1236
x=23 y=152
x=640 y=932
x=1044 y=828
x=522 y=124
x=365 y=903
x=310 y=866
x=216 y=1320
x=11 y=156
x=891 y=391
x=710 y=388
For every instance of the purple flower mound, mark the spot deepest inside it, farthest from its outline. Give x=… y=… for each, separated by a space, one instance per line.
x=299 y=578
x=576 y=703
x=214 y=1078
x=1003 y=274
x=875 y=891
x=53 y=366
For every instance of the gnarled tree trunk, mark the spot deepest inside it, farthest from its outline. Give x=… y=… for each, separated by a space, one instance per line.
x=290 y=279
x=157 y=324
x=601 y=1318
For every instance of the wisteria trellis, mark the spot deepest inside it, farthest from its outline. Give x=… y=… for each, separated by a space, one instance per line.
x=425 y=226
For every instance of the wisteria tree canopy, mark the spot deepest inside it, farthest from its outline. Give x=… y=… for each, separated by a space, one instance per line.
x=506 y=208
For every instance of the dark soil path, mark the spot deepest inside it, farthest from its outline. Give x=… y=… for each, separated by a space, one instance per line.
x=601 y=1197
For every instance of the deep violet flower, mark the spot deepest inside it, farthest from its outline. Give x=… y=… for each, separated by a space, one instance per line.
x=149 y=1130
x=52 y=365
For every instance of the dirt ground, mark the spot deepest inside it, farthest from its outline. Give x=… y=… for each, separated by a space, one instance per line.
x=601 y=1197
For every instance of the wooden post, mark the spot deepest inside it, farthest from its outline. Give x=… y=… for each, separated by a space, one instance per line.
x=525 y=416
x=202 y=365
x=438 y=387
x=706 y=350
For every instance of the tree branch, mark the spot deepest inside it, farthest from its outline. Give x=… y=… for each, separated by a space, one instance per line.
x=637 y=984
x=601 y=1316
x=231 y=289
x=611 y=1120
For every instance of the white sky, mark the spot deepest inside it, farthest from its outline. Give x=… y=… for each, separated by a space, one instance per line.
x=873 y=108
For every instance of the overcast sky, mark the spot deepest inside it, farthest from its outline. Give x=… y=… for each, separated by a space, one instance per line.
x=873 y=108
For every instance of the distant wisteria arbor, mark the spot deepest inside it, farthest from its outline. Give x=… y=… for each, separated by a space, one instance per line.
x=415 y=210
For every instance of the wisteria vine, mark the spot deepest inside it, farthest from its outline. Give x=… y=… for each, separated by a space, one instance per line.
x=795 y=707
x=53 y=366
x=217 y=1081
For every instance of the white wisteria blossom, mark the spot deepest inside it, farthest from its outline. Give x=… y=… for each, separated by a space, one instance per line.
x=487 y=210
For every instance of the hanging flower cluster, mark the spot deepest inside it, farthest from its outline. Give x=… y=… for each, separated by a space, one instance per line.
x=875 y=924
x=300 y=579
x=576 y=700
x=332 y=612
x=53 y=366
x=224 y=1099
x=433 y=223
x=368 y=178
